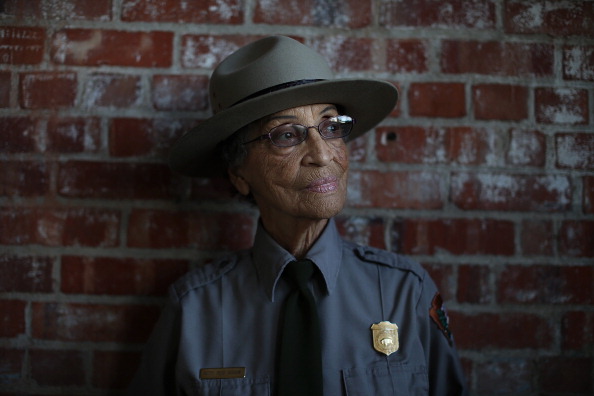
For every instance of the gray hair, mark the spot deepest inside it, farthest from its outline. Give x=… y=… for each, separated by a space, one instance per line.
x=232 y=150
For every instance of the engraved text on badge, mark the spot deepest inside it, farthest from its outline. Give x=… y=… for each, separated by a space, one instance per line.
x=385 y=337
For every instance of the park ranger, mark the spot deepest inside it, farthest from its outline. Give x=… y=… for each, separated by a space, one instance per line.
x=303 y=312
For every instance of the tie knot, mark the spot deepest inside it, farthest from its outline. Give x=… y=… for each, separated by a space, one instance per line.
x=299 y=272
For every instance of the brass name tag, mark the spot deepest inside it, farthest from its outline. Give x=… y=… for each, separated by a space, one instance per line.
x=222 y=373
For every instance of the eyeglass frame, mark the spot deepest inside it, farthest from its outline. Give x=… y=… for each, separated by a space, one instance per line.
x=307 y=128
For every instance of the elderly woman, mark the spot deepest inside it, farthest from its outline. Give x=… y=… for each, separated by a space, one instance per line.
x=303 y=312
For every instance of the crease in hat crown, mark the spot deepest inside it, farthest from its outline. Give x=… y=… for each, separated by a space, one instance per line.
x=270 y=75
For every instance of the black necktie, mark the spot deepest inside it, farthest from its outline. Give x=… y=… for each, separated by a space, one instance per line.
x=300 y=368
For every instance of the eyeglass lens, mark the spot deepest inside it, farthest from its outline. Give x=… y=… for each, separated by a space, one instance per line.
x=292 y=134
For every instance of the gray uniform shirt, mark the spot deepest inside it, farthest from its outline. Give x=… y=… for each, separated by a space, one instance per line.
x=227 y=314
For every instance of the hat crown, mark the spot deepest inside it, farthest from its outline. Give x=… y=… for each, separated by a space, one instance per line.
x=261 y=65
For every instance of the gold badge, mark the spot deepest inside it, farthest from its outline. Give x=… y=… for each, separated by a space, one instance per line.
x=385 y=337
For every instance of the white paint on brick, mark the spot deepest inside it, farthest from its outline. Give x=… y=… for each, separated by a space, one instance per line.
x=567 y=112
x=577 y=63
x=79 y=50
x=570 y=154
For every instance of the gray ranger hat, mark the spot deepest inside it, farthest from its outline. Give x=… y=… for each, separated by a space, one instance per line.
x=269 y=75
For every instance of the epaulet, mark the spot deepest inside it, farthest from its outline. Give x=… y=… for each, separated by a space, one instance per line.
x=204 y=275
x=389 y=259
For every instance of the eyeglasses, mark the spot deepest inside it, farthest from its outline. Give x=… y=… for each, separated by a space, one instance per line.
x=287 y=135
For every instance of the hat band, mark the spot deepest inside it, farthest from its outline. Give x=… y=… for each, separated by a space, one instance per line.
x=276 y=88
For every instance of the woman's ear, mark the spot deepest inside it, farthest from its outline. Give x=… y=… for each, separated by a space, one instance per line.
x=238 y=181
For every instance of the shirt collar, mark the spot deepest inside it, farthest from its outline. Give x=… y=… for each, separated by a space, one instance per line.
x=270 y=258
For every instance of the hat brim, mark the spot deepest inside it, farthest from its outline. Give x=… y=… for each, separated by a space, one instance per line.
x=369 y=101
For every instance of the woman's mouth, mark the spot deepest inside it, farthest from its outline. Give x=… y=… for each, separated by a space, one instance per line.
x=323 y=185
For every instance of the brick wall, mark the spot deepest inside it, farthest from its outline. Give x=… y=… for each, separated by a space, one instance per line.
x=484 y=173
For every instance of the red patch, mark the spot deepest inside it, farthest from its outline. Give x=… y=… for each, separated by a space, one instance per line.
x=439 y=316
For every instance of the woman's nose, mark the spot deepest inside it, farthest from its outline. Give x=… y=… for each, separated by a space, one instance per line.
x=319 y=151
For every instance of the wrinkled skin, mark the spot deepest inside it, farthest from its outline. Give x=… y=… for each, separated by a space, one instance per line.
x=297 y=189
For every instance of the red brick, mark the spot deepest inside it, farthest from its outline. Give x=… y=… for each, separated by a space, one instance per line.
x=60 y=227
x=131 y=137
x=478 y=14
x=588 y=195
x=367 y=231
x=574 y=150
x=206 y=51
x=217 y=188
x=94 y=47
x=357 y=150
x=578 y=63
x=21 y=45
x=516 y=330
x=476 y=146
x=537 y=238
x=5 y=89
x=26 y=274
x=114 y=369
x=501 y=191
x=12 y=366
x=444 y=278
x=412 y=145
x=561 y=106
x=546 y=284
x=112 y=90
x=166 y=229
x=345 y=53
x=119 y=276
x=401 y=190
x=437 y=100
x=500 y=102
x=576 y=238
x=196 y=11
x=474 y=284
x=456 y=236
x=20 y=135
x=506 y=376
x=92 y=322
x=180 y=92
x=73 y=135
x=526 y=148
x=12 y=318
x=121 y=180
x=497 y=58
x=555 y=18
x=24 y=178
x=57 y=367
x=577 y=330
x=34 y=88
x=97 y=10
x=576 y=378
x=407 y=56
x=351 y=14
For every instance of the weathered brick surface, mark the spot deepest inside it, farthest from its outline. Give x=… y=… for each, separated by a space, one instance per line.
x=21 y=45
x=35 y=89
x=500 y=102
x=556 y=18
x=199 y=11
x=5 y=89
x=483 y=172
x=437 y=100
x=93 y=47
x=561 y=106
x=119 y=276
x=497 y=58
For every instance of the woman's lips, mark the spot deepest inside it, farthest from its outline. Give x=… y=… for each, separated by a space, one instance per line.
x=323 y=185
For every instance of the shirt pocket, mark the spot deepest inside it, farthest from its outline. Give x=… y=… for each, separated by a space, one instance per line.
x=383 y=380
x=233 y=387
